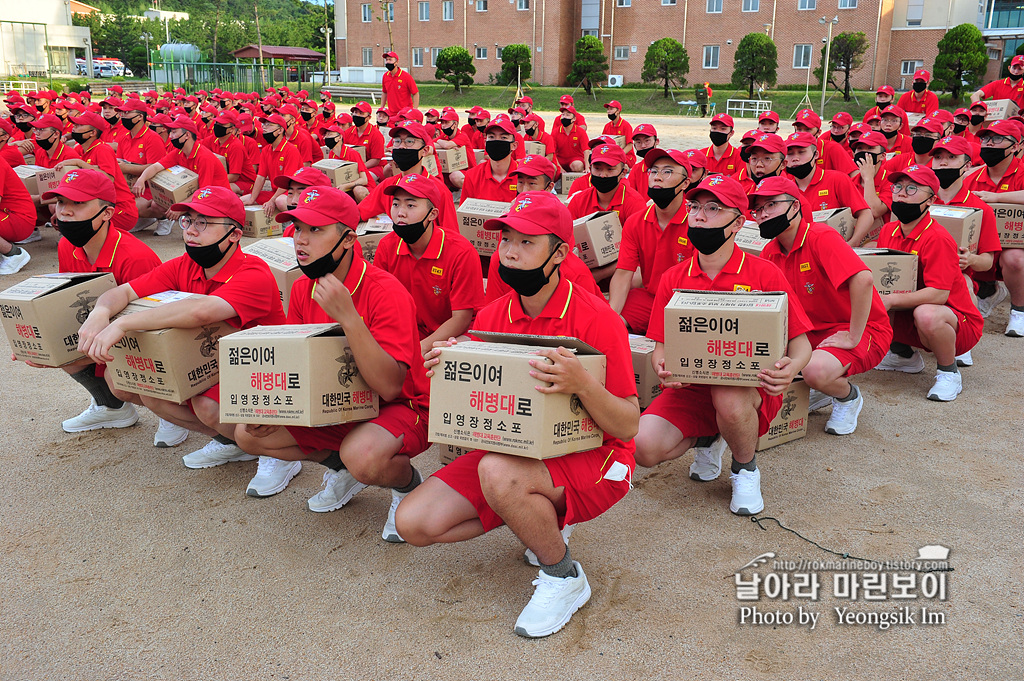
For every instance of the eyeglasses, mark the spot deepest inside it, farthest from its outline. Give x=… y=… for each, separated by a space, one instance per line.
x=667 y=173
x=994 y=140
x=907 y=189
x=199 y=224
x=407 y=143
x=770 y=207
x=710 y=208
x=761 y=161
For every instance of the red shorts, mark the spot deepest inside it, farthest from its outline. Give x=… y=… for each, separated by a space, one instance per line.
x=588 y=493
x=873 y=346
x=691 y=410
x=125 y=216
x=637 y=309
x=904 y=331
x=15 y=227
x=397 y=419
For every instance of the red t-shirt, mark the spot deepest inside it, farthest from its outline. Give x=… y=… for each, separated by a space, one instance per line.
x=388 y=311
x=729 y=164
x=572 y=269
x=202 y=162
x=377 y=202
x=102 y=156
x=143 y=149
x=626 y=130
x=899 y=144
x=548 y=142
x=653 y=250
x=349 y=154
x=462 y=140
x=60 y=152
x=284 y=160
x=122 y=254
x=447 y=277
x=245 y=282
x=399 y=87
x=233 y=151
x=1011 y=181
x=637 y=178
x=1004 y=89
x=832 y=156
x=370 y=138
x=832 y=189
x=114 y=134
x=12 y=155
x=910 y=103
x=14 y=197
x=569 y=144
x=480 y=184
x=625 y=202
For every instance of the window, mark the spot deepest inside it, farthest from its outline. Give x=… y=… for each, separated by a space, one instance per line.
x=751 y=5
x=367 y=14
x=391 y=12
x=711 y=56
x=424 y=11
x=434 y=51
x=915 y=11
x=481 y=53
x=622 y=52
x=994 y=54
x=367 y=56
x=590 y=31
x=909 y=66
x=497 y=52
x=714 y=6
x=522 y=5
x=481 y=5
x=801 y=56
x=624 y=3
x=847 y=4
x=417 y=56
x=448 y=10
x=807 y=4
x=665 y=3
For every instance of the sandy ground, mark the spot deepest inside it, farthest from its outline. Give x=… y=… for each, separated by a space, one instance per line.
x=116 y=562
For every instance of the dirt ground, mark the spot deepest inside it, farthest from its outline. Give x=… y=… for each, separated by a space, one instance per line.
x=117 y=562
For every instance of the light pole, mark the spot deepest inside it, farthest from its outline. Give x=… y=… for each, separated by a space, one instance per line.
x=147 y=37
x=824 y=67
x=327 y=31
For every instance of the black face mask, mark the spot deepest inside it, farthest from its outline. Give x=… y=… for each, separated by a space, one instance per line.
x=772 y=227
x=530 y=131
x=922 y=145
x=907 y=212
x=664 y=196
x=24 y=126
x=957 y=128
x=977 y=119
x=517 y=122
x=757 y=177
x=39 y=108
x=326 y=263
x=498 y=150
x=612 y=116
x=207 y=256
x=382 y=124
x=890 y=134
x=111 y=120
x=604 y=184
x=128 y=123
x=745 y=153
x=358 y=121
x=80 y=137
x=77 y=232
x=178 y=142
x=526 y=282
x=864 y=154
x=707 y=240
x=992 y=156
x=270 y=137
x=801 y=171
x=189 y=109
x=567 y=122
x=948 y=176
x=326 y=113
x=642 y=153
x=481 y=128
x=389 y=67
x=838 y=139
x=220 y=130
x=46 y=144
x=919 y=86
x=411 y=232
x=449 y=131
x=880 y=104
x=306 y=115
x=330 y=142
x=207 y=119
x=291 y=206
x=471 y=122
x=719 y=138
x=405 y=159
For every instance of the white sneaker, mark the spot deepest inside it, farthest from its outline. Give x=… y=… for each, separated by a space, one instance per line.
x=169 y=435
x=1015 y=327
x=746 y=492
x=553 y=603
x=818 y=400
x=34 y=236
x=531 y=558
x=96 y=417
x=272 y=476
x=143 y=224
x=12 y=264
x=908 y=365
x=986 y=305
x=215 y=454
x=948 y=384
x=163 y=227
x=843 y=420
x=338 y=488
x=707 y=461
x=965 y=360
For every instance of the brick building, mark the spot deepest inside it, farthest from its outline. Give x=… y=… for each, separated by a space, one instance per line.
x=902 y=34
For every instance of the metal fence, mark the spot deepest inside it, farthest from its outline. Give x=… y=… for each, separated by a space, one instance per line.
x=237 y=77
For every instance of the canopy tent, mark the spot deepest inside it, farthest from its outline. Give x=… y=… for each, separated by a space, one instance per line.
x=279 y=52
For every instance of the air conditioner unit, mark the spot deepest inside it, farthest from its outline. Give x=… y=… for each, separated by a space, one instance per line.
x=614 y=81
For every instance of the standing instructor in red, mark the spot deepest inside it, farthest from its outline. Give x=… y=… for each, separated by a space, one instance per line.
x=399 y=88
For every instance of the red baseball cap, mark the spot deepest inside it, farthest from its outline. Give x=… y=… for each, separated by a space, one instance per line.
x=416 y=130
x=321 y=206
x=23 y=108
x=328 y=105
x=954 y=144
x=289 y=110
x=472 y=111
x=870 y=139
x=599 y=140
x=613 y=104
x=410 y=114
x=450 y=115
x=674 y=155
x=245 y=122
x=527 y=100
x=333 y=127
x=393 y=55
x=344 y=118
x=748 y=135
x=922 y=74
x=696 y=157
x=48 y=121
x=311 y=177
x=1004 y=128
x=768 y=116
x=228 y=118
x=134 y=105
x=808 y=118
x=966 y=113
x=842 y=118
x=186 y=123
x=612 y=154
x=645 y=129
x=80 y=184
x=800 y=139
x=162 y=120
x=362 y=106
x=893 y=110
x=873 y=115
x=941 y=115
x=928 y=125
x=90 y=118
x=723 y=118
x=532 y=166
x=769 y=141
x=981 y=105
x=1018 y=59
x=565 y=99
x=724 y=188
x=536 y=213
x=773 y=186
x=417 y=185
x=886 y=90
x=921 y=175
x=116 y=88
x=483 y=113
x=502 y=123
x=276 y=119
x=7 y=126
x=215 y=202
x=568 y=108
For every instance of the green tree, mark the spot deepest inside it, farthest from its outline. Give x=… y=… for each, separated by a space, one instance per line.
x=455 y=65
x=756 y=61
x=515 y=64
x=590 y=65
x=961 y=61
x=846 y=56
x=666 y=62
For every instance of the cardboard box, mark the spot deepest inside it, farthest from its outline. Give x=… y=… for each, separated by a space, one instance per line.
x=1010 y=224
x=42 y=315
x=339 y=172
x=279 y=254
x=258 y=225
x=567 y=180
x=620 y=140
x=962 y=223
x=453 y=159
x=37 y=179
x=841 y=219
x=749 y=238
x=285 y=375
x=791 y=421
x=1000 y=109
x=171 y=364
x=535 y=148
x=484 y=398
x=173 y=185
x=598 y=236
x=448 y=453
x=914 y=118
x=359 y=149
x=724 y=338
x=369 y=241
x=481 y=155
x=223 y=161
x=471 y=216
x=430 y=165
x=894 y=271
x=648 y=386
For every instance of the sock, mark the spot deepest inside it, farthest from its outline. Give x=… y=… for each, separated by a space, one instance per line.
x=986 y=289
x=901 y=349
x=333 y=461
x=15 y=250
x=563 y=568
x=97 y=387
x=1017 y=308
x=749 y=466
x=705 y=441
x=951 y=368
x=413 y=484
x=854 y=392
x=223 y=440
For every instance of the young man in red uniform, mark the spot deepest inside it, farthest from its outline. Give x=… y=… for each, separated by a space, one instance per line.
x=140 y=148
x=830 y=154
x=49 y=151
x=896 y=130
x=653 y=240
x=225 y=140
x=1011 y=87
x=850 y=329
x=645 y=138
x=566 y=102
x=238 y=288
x=17 y=220
x=768 y=122
x=940 y=315
x=363 y=133
x=379 y=319
x=570 y=141
x=533 y=131
x=277 y=157
x=825 y=189
x=607 y=190
x=683 y=413
x=766 y=157
x=921 y=99
x=721 y=157
x=299 y=136
x=440 y=269
x=449 y=137
x=360 y=187
x=398 y=89
x=482 y=490
x=617 y=125
x=869 y=155
x=108 y=110
x=839 y=131
x=923 y=135
x=9 y=151
x=493 y=180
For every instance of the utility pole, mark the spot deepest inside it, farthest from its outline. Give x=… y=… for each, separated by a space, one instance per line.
x=259 y=41
x=327 y=39
x=825 y=73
